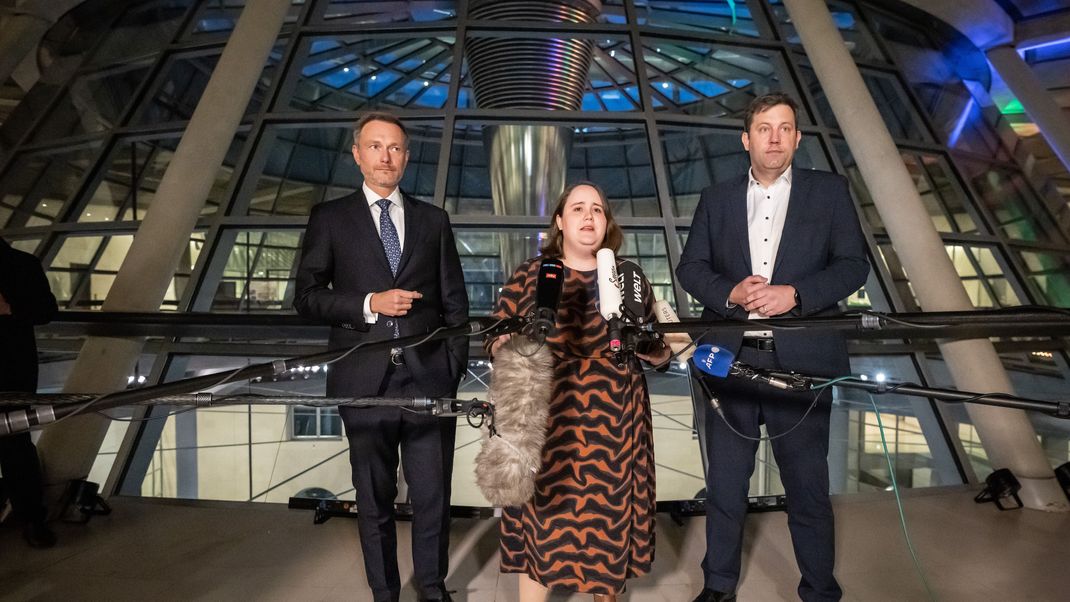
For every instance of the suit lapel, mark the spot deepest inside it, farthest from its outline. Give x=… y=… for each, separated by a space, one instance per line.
x=413 y=229
x=792 y=235
x=737 y=215
x=364 y=227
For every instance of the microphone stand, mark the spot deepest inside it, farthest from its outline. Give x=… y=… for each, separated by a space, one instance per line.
x=16 y=421
x=1058 y=409
x=1017 y=321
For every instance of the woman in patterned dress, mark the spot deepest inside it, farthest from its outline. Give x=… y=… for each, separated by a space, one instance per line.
x=590 y=524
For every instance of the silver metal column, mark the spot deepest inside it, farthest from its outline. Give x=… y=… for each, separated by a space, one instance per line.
x=528 y=163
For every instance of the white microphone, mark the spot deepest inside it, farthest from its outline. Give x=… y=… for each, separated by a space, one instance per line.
x=609 y=296
x=677 y=341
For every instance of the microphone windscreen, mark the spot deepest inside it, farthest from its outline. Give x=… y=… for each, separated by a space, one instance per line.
x=677 y=341
x=609 y=298
x=631 y=279
x=713 y=360
x=548 y=286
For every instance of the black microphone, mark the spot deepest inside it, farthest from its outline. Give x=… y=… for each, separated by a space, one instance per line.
x=548 y=287
x=631 y=279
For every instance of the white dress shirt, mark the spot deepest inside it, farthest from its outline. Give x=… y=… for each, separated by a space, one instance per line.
x=766 y=210
x=397 y=215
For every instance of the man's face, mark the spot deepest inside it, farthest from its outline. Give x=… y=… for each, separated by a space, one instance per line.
x=381 y=152
x=772 y=139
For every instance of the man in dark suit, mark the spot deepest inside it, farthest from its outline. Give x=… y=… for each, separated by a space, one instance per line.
x=25 y=301
x=776 y=241
x=379 y=264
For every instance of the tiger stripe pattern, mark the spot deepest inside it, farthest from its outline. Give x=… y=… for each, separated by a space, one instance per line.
x=590 y=524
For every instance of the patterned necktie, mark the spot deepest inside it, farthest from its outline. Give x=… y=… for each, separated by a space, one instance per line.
x=391 y=243
x=389 y=234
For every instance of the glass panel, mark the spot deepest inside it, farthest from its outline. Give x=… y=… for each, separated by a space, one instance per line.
x=347 y=73
x=94 y=102
x=920 y=454
x=717 y=81
x=37 y=187
x=1033 y=375
x=145 y=28
x=699 y=158
x=217 y=18
x=183 y=81
x=488 y=259
x=362 y=12
x=855 y=34
x=981 y=272
x=312 y=164
x=946 y=73
x=143 y=163
x=933 y=179
x=1010 y=200
x=259 y=274
x=26 y=245
x=887 y=93
x=84 y=269
x=1051 y=275
x=715 y=16
x=617 y=159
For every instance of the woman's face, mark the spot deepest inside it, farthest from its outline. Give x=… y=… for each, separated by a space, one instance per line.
x=583 y=220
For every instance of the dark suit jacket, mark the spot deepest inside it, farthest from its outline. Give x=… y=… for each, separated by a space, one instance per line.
x=342 y=260
x=25 y=288
x=822 y=254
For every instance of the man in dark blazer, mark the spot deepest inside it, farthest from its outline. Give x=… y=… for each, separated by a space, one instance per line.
x=375 y=265
x=25 y=301
x=776 y=241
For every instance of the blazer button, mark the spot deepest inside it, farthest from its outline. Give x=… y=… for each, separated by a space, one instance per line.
x=390 y=323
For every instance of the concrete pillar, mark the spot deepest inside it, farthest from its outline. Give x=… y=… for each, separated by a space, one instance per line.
x=1007 y=435
x=69 y=448
x=1035 y=98
x=18 y=39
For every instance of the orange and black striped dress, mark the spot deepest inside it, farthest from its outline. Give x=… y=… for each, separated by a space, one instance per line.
x=590 y=524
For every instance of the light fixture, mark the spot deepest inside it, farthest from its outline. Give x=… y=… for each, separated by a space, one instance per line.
x=1000 y=485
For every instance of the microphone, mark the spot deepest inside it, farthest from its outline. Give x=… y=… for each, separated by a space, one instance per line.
x=677 y=341
x=719 y=362
x=609 y=297
x=547 y=296
x=631 y=281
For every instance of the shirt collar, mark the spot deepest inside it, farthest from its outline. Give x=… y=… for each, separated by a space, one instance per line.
x=371 y=196
x=784 y=177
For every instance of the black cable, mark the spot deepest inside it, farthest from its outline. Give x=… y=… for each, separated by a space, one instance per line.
x=720 y=412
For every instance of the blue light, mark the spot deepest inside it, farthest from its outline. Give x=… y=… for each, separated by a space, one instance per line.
x=953 y=139
x=1022 y=49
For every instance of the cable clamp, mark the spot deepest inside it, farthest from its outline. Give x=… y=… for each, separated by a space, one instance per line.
x=871 y=321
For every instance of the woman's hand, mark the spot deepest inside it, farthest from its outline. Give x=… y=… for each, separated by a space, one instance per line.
x=498 y=342
x=658 y=357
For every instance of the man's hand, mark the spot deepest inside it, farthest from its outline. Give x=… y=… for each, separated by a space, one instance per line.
x=394 y=302
x=746 y=287
x=771 y=300
x=657 y=357
x=5 y=307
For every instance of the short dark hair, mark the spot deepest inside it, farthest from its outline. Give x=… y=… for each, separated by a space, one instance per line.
x=767 y=101
x=555 y=240
x=379 y=116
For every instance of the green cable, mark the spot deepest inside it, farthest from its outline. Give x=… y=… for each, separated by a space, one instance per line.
x=898 y=500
